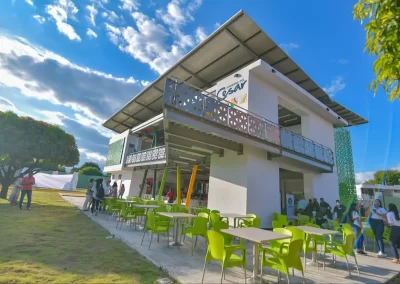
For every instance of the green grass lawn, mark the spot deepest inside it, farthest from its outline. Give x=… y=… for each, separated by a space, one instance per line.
x=57 y=243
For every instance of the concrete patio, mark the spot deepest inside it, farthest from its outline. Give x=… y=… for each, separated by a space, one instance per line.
x=185 y=268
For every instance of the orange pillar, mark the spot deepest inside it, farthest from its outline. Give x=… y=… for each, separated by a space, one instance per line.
x=191 y=185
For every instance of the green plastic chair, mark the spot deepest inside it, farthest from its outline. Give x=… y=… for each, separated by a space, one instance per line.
x=282 y=261
x=203 y=215
x=125 y=215
x=279 y=245
x=369 y=235
x=302 y=219
x=199 y=228
x=277 y=224
x=311 y=246
x=254 y=223
x=275 y=216
x=247 y=222
x=214 y=218
x=283 y=220
x=156 y=227
x=218 y=251
x=342 y=249
x=203 y=210
x=297 y=234
x=228 y=238
x=215 y=211
x=113 y=207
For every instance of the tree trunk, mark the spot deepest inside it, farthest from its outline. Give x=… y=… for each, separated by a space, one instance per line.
x=4 y=190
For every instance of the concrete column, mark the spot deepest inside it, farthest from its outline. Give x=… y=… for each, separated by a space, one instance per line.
x=135 y=180
x=320 y=185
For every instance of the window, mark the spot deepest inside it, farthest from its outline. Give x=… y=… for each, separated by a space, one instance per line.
x=113 y=177
x=119 y=176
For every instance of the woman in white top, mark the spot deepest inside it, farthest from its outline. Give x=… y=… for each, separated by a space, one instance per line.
x=16 y=190
x=393 y=220
x=354 y=219
x=378 y=215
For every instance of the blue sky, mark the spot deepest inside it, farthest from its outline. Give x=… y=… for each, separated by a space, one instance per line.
x=74 y=63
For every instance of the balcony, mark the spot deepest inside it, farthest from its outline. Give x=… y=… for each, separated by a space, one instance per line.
x=151 y=156
x=205 y=106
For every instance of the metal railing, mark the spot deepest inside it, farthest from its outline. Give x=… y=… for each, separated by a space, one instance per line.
x=190 y=99
x=149 y=155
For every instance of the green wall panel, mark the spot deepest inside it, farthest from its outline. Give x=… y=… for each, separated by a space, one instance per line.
x=345 y=166
x=115 y=150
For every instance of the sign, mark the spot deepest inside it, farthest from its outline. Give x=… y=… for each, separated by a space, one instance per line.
x=234 y=89
x=290 y=205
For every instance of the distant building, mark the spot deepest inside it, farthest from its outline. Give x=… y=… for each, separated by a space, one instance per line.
x=370 y=191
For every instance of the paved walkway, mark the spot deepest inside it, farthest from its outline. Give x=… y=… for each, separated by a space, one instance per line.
x=185 y=268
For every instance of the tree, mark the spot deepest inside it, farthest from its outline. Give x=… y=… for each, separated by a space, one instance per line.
x=90 y=171
x=32 y=144
x=389 y=177
x=383 y=41
x=89 y=164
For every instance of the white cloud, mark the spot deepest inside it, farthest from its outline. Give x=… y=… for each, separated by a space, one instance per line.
x=343 y=61
x=90 y=33
x=145 y=83
x=7 y=105
x=92 y=156
x=365 y=176
x=40 y=74
x=30 y=2
x=52 y=117
x=217 y=25
x=149 y=41
x=335 y=86
x=129 y=5
x=287 y=47
x=39 y=18
x=92 y=12
x=61 y=11
x=200 y=34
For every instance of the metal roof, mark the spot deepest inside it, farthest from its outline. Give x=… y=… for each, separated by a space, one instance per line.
x=234 y=45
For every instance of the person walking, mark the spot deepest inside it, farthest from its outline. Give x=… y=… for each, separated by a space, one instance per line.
x=114 y=190
x=394 y=237
x=121 y=191
x=26 y=189
x=378 y=215
x=355 y=221
x=98 y=195
x=89 y=194
x=13 y=199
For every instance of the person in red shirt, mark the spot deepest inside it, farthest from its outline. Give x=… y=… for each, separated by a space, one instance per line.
x=26 y=185
x=170 y=196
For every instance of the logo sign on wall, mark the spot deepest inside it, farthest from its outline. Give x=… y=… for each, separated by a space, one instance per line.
x=290 y=205
x=233 y=90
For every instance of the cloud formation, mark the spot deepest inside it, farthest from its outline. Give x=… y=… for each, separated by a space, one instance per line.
x=91 y=34
x=39 y=18
x=287 y=47
x=335 y=86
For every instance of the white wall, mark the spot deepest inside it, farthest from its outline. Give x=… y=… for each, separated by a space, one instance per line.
x=131 y=180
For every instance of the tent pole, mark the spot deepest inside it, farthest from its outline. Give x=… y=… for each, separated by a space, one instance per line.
x=143 y=184
x=163 y=180
x=178 y=185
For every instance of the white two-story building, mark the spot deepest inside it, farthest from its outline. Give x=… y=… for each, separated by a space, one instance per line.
x=241 y=109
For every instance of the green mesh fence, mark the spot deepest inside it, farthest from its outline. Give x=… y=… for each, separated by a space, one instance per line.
x=115 y=150
x=345 y=166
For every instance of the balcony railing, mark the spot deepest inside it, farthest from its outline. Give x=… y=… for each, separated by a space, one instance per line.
x=150 y=155
x=200 y=103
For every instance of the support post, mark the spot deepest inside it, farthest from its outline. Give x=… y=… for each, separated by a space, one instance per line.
x=191 y=185
x=178 y=185
x=154 y=188
x=143 y=184
x=163 y=180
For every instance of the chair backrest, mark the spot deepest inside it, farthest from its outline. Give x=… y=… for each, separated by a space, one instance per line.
x=203 y=210
x=312 y=225
x=256 y=223
x=293 y=258
x=214 y=217
x=282 y=218
x=218 y=226
x=199 y=225
x=160 y=209
x=203 y=215
x=275 y=216
x=216 y=244
x=282 y=231
x=297 y=234
x=251 y=215
x=276 y=224
x=150 y=220
x=215 y=211
x=349 y=243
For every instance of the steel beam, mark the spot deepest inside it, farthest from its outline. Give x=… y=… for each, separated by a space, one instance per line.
x=193 y=75
x=234 y=37
x=190 y=144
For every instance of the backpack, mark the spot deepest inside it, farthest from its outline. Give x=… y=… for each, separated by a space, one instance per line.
x=100 y=192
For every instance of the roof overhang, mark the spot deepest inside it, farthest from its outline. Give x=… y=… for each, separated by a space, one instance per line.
x=234 y=45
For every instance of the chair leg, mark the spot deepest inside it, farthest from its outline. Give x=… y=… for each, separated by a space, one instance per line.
x=193 y=241
x=222 y=274
x=204 y=272
x=144 y=234
x=348 y=267
x=288 y=278
x=151 y=238
x=323 y=261
x=279 y=277
x=304 y=280
x=305 y=264
x=293 y=271
x=121 y=225
x=158 y=238
x=317 y=260
x=168 y=238
x=245 y=275
x=355 y=259
x=261 y=273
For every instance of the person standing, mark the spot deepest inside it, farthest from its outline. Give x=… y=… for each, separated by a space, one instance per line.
x=26 y=189
x=89 y=194
x=325 y=208
x=107 y=188
x=13 y=199
x=378 y=215
x=121 y=191
x=354 y=219
x=98 y=195
x=170 y=196
x=114 y=190
x=339 y=209
x=394 y=223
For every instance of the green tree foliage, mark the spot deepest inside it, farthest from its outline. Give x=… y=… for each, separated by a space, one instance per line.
x=90 y=171
x=389 y=177
x=36 y=145
x=89 y=164
x=383 y=41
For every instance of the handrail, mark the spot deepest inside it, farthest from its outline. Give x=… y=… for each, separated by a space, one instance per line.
x=235 y=117
x=148 y=155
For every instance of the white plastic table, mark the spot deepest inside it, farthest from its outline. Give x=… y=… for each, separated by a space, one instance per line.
x=178 y=216
x=257 y=237
x=234 y=216
x=316 y=232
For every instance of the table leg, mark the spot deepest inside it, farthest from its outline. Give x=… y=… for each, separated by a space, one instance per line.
x=176 y=243
x=256 y=263
x=313 y=254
